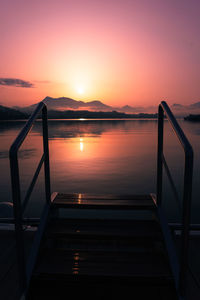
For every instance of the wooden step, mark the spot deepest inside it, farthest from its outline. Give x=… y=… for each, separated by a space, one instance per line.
x=103 y=265
x=104 y=229
x=133 y=246
x=114 y=235
x=96 y=235
x=116 y=202
x=103 y=257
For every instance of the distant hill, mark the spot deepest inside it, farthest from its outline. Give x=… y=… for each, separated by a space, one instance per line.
x=77 y=114
x=195 y=105
x=13 y=114
x=131 y=109
x=183 y=110
x=64 y=103
x=7 y=113
x=177 y=106
x=192 y=118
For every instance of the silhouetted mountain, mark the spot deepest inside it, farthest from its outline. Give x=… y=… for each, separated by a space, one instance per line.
x=13 y=114
x=7 y=113
x=177 y=106
x=98 y=105
x=182 y=110
x=64 y=103
x=192 y=118
x=130 y=109
x=195 y=105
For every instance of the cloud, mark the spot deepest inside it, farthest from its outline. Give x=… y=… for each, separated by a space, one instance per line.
x=16 y=82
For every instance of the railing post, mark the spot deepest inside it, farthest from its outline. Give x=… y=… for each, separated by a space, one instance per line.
x=159 y=155
x=16 y=196
x=187 y=196
x=46 y=153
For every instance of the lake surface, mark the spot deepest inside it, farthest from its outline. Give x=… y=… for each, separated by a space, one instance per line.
x=100 y=156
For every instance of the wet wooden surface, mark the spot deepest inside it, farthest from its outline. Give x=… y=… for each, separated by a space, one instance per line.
x=119 y=202
x=113 y=255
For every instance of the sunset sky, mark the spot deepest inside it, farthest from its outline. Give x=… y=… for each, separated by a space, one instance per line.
x=134 y=52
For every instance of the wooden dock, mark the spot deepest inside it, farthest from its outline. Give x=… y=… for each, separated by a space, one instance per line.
x=103 y=247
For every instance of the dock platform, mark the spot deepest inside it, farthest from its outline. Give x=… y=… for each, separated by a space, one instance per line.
x=101 y=249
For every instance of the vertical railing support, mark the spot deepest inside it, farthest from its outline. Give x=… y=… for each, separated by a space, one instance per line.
x=186 y=216
x=46 y=153
x=16 y=194
x=159 y=156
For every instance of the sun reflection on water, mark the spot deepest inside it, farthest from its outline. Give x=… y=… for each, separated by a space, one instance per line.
x=81 y=145
x=75 y=268
x=79 y=198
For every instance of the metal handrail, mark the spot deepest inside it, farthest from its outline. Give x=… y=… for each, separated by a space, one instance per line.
x=18 y=206
x=187 y=189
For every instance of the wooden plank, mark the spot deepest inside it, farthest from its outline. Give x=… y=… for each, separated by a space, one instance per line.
x=97 y=253
x=87 y=253
x=105 y=229
x=81 y=196
x=104 y=201
x=140 y=266
x=129 y=246
x=123 y=236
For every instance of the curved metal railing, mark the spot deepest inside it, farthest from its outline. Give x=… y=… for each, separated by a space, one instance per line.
x=19 y=206
x=187 y=188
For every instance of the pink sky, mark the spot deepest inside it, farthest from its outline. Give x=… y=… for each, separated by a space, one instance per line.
x=135 y=52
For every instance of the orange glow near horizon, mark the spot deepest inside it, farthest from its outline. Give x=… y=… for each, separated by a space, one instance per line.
x=118 y=52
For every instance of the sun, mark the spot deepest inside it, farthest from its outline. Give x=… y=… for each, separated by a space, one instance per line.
x=80 y=89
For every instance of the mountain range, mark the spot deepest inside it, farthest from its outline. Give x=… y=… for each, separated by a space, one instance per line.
x=7 y=113
x=67 y=104
x=64 y=103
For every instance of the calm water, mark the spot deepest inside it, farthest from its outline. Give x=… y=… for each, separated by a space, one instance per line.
x=100 y=156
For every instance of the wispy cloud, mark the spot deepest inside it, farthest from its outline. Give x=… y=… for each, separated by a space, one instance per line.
x=16 y=82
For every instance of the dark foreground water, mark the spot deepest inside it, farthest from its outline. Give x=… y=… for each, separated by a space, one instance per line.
x=101 y=156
